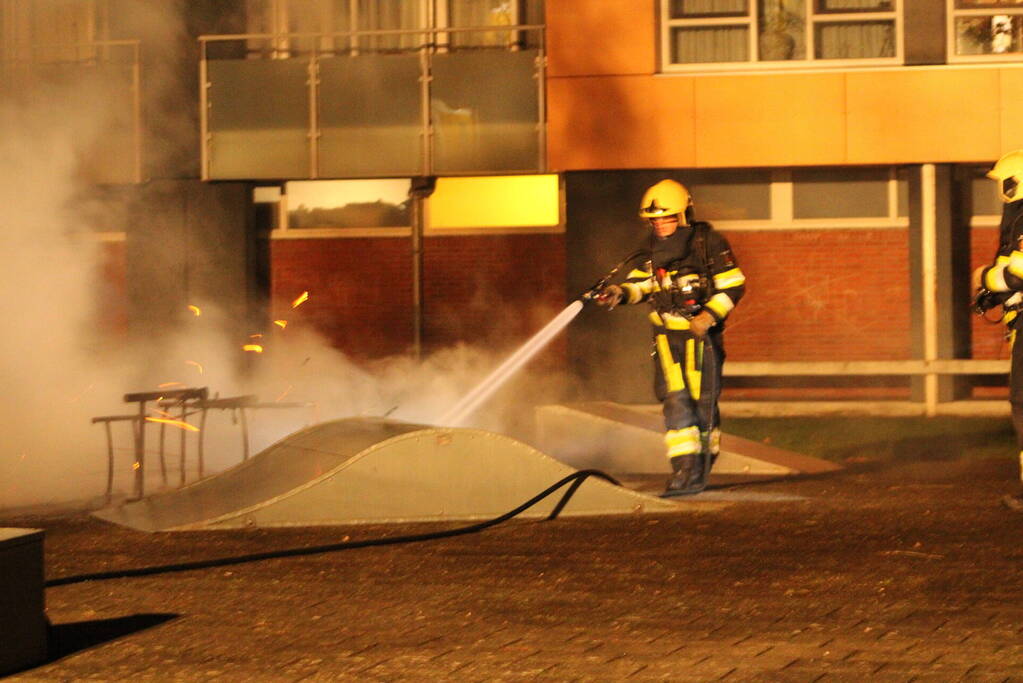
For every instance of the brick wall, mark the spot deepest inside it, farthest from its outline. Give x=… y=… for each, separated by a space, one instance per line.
x=813 y=295
x=360 y=291
x=112 y=309
x=492 y=290
x=822 y=295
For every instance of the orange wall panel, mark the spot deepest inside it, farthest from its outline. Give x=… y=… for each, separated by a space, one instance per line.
x=1011 y=113
x=877 y=116
x=770 y=120
x=923 y=115
x=620 y=122
x=593 y=37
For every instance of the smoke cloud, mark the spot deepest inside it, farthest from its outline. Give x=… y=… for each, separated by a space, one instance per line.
x=61 y=369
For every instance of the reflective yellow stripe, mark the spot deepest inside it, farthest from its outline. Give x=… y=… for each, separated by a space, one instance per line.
x=672 y=322
x=693 y=369
x=672 y=371
x=720 y=305
x=633 y=293
x=1015 y=265
x=675 y=322
x=682 y=441
x=715 y=441
x=729 y=278
x=636 y=273
x=994 y=278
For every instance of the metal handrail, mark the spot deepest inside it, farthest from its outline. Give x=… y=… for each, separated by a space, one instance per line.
x=371 y=32
x=961 y=366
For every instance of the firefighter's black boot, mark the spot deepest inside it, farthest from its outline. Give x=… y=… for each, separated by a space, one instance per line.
x=690 y=476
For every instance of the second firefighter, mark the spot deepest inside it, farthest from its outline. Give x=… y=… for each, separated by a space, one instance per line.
x=692 y=282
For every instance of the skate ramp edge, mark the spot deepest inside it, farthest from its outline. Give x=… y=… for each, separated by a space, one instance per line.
x=619 y=438
x=370 y=470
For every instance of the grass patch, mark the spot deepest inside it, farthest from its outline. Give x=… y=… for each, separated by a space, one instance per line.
x=840 y=439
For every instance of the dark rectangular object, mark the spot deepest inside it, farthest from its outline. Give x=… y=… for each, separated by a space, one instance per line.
x=23 y=626
x=924 y=32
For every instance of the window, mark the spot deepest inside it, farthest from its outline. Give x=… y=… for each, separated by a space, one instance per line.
x=528 y=201
x=988 y=30
x=723 y=33
x=985 y=200
x=336 y=204
x=281 y=17
x=817 y=198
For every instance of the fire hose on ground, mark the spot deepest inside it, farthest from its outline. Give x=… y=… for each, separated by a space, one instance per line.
x=573 y=481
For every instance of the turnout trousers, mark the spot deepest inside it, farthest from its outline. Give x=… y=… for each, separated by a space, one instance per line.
x=1016 y=391
x=687 y=382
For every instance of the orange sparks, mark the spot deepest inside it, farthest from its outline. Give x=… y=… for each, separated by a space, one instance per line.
x=174 y=423
x=164 y=413
x=258 y=335
x=136 y=465
x=168 y=385
x=283 y=394
x=281 y=323
x=302 y=298
x=196 y=310
x=197 y=365
x=254 y=348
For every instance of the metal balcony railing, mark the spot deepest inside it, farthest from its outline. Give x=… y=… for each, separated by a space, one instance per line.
x=364 y=104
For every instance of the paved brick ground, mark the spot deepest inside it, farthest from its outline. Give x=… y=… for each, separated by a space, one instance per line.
x=895 y=572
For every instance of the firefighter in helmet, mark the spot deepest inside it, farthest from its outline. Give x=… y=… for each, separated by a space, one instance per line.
x=691 y=281
x=1000 y=283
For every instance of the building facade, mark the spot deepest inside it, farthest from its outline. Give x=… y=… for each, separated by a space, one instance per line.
x=840 y=144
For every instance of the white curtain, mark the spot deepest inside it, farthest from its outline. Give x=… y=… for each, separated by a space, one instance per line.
x=843 y=5
x=860 y=40
x=681 y=9
x=705 y=45
x=392 y=14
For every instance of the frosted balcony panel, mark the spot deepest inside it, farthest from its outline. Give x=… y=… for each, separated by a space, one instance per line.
x=370 y=117
x=104 y=125
x=258 y=119
x=484 y=108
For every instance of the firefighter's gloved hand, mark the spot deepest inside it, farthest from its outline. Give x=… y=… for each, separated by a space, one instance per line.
x=976 y=281
x=701 y=323
x=610 y=296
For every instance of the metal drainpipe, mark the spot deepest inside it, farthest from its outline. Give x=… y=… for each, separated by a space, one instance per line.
x=417 y=274
x=929 y=259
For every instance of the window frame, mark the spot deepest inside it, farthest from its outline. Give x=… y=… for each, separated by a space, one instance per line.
x=814 y=18
x=782 y=213
x=952 y=13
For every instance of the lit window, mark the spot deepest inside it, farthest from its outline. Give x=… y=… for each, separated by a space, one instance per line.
x=986 y=29
x=495 y=202
x=697 y=33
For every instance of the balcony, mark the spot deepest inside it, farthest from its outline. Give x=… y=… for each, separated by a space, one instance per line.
x=368 y=104
x=94 y=90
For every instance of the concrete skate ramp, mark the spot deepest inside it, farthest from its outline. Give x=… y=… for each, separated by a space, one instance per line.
x=360 y=470
x=625 y=439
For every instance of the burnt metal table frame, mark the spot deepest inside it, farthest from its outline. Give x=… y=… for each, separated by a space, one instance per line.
x=186 y=403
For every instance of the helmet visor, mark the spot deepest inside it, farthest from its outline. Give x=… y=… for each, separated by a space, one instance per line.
x=1008 y=188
